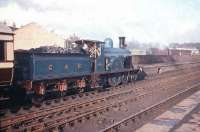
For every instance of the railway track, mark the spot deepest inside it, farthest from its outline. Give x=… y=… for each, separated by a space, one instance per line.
x=35 y=121
x=138 y=119
x=79 y=117
x=140 y=102
x=101 y=109
x=68 y=99
x=152 y=70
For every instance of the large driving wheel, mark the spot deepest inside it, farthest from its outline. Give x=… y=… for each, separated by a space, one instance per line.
x=27 y=102
x=125 y=78
x=114 y=80
x=38 y=100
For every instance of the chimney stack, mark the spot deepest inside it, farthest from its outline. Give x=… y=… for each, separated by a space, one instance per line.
x=122 y=42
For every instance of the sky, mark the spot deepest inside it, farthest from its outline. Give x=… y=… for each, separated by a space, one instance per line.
x=162 y=21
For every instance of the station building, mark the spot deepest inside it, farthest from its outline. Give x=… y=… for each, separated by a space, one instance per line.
x=6 y=55
x=33 y=36
x=183 y=51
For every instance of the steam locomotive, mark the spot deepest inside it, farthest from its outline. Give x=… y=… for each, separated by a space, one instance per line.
x=40 y=75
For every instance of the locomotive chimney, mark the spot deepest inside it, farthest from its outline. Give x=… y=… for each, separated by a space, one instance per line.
x=122 y=42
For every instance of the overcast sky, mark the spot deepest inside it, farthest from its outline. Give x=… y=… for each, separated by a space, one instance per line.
x=161 y=21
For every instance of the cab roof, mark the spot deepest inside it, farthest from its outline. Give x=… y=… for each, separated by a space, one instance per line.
x=87 y=41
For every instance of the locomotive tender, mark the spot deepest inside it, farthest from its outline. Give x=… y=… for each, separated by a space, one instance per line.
x=97 y=65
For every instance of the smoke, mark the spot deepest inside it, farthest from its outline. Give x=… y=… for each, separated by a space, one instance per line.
x=4 y=3
x=134 y=44
x=149 y=22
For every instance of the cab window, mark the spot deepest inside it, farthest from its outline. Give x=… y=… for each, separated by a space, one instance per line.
x=107 y=63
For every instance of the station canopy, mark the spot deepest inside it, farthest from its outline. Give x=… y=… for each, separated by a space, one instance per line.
x=5 y=29
x=6 y=34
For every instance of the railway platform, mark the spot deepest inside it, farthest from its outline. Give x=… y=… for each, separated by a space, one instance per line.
x=183 y=117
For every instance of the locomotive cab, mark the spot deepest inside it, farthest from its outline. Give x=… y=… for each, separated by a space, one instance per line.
x=6 y=55
x=91 y=47
x=94 y=49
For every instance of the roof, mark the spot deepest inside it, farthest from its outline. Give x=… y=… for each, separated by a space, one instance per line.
x=5 y=29
x=183 y=49
x=87 y=41
x=29 y=24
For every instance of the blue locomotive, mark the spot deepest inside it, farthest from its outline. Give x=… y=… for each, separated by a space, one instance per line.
x=96 y=65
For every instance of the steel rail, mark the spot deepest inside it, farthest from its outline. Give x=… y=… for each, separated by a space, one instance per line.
x=32 y=115
x=70 y=119
x=117 y=125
